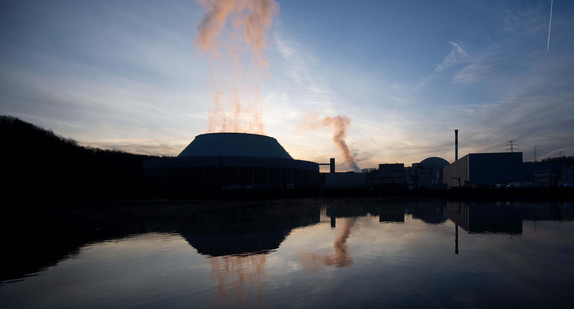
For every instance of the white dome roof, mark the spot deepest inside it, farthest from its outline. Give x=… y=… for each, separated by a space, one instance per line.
x=234 y=145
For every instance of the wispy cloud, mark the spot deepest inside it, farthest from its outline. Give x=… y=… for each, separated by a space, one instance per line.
x=471 y=73
x=304 y=71
x=102 y=110
x=532 y=106
x=455 y=56
x=145 y=147
x=529 y=22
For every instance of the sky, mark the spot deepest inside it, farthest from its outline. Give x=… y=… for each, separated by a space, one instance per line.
x=131 y=75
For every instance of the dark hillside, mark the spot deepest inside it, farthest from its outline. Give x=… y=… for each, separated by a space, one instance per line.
x=40 y=166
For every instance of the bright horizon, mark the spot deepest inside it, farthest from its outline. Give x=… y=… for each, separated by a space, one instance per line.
x=129 y=76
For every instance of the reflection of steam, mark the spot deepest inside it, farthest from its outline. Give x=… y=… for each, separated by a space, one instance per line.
x=341 y=256
x=249 y=21
x=236 y=275
x=339 y=124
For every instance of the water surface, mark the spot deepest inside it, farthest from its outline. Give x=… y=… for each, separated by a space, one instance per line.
x=293 y=253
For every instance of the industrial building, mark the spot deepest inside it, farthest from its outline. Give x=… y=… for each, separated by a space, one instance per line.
x=485 y=170
x=349 y=180
x=549 y=173
x=392 y=173
x=428 y=173
x=232 y=161
x=389 y=175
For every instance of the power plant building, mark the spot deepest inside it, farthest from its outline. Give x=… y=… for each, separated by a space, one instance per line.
x=392 y=173
x=387 y=176
x=428 y=173
x=348 y=180
x=232 y=161
x=484 y=170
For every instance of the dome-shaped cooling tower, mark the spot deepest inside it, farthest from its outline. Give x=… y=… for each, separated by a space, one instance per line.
x=234 y=145
x=227 y=161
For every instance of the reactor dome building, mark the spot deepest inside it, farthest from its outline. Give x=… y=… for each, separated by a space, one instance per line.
x=232 y=161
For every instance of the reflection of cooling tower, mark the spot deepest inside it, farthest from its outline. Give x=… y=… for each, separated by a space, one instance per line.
x=233 y=160
x=245 y=229
x=236 y=243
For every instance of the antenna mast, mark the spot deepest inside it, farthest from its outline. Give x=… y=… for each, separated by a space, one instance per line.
x=511 y=144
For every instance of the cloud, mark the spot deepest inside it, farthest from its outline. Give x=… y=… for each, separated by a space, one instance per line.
x=471 y=73
x=508 y=88
x=145 y=147
x=529 y=22
x=534 y=107
x=303 y=69
x=455 y=56
x=101 y=109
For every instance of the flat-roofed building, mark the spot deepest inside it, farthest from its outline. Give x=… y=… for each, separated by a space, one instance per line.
x=392 y=173
x=484 y=170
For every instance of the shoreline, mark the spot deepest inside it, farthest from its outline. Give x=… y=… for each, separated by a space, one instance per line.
x=213 y=196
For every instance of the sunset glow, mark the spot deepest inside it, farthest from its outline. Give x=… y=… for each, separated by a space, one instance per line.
x=149 y=77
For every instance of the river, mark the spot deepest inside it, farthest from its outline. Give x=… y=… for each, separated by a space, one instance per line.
x=303 y=253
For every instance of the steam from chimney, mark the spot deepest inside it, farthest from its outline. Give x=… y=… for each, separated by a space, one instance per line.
x=232 y=25
x=339 y=124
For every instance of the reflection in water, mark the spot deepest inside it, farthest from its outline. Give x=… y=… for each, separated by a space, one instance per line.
x=339 y=258
x=235 y=242
x=502 y=218
x=241 y=254
x=235 y=276
x=213 y=228
x=391 y=214
x=430 y=212
x=456 y=238
x=485 y=217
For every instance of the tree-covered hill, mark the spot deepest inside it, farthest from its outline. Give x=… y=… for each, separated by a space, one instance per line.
x=39 y=165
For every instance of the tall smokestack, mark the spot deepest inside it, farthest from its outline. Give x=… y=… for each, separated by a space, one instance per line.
x=332 y=166
x=456 y=145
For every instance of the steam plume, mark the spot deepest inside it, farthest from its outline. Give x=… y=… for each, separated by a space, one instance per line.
x=339 y=124
x=236 y=27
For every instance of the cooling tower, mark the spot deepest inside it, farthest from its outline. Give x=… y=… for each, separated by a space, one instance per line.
x=234 y=145
x=230 y=161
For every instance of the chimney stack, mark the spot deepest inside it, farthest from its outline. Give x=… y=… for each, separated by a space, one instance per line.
x=455 y=145
x=332 y=165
